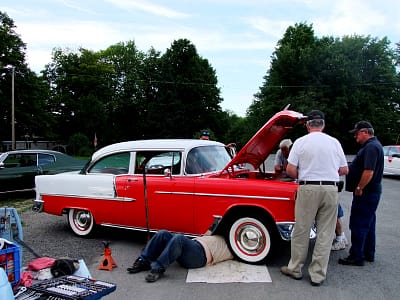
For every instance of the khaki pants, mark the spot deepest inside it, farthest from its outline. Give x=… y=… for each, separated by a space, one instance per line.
x=317 y=203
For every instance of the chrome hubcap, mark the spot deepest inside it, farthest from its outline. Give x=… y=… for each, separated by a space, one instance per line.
x=82 y=219
x=251 y=239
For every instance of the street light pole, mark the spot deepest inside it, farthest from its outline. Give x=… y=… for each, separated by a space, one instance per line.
x=13 y=146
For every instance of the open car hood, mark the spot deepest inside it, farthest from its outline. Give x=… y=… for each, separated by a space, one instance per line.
x=265 y=140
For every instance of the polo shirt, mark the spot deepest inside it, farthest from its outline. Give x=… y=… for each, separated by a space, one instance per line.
x=369 y=157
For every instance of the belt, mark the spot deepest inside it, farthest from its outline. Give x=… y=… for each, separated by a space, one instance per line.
x=335 y=183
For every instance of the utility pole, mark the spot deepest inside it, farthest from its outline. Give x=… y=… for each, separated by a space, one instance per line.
x=13 y=146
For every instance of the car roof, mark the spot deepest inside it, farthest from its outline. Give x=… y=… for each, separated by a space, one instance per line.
x=154 y=144
x=27 y=151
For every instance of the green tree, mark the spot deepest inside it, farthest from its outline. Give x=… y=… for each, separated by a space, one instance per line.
x=30 y=92
x=188 y=97
x=81 y=90
x=135 y=75
x=350 y=79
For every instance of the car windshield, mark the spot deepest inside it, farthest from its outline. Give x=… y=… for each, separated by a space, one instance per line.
x=206 y=159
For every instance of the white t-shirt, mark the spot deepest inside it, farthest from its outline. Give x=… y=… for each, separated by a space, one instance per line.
x=317 y=156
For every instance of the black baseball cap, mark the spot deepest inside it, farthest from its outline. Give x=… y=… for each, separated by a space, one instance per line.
x=315 y=115
x=361 y=125
x=205 y=132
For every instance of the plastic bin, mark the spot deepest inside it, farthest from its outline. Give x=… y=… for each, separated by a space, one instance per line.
x=10 y=261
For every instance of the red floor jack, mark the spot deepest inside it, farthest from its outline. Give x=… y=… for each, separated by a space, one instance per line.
x=107 y=262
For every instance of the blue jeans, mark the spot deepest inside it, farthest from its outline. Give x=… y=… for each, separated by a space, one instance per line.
x=362 y=226
x=164 y=248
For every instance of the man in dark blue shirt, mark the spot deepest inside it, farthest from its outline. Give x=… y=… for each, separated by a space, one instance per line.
x=365 y=181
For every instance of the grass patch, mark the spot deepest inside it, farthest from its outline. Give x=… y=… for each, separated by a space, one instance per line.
x=20 y=203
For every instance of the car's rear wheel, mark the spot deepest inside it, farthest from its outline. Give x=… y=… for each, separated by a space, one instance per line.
x=81 y=221
x=250 y=240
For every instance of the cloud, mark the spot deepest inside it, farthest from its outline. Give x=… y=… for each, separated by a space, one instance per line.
x=272 y=28
x=149 y=8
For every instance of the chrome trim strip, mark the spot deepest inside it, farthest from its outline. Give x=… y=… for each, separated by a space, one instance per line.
x=18 y=191
x=141 y=229
x=224 y=195
x=92 y=197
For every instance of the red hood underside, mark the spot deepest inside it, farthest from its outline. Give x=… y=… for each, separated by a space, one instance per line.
x=265 y=140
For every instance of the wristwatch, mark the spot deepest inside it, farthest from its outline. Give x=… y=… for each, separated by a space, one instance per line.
x=358 y=188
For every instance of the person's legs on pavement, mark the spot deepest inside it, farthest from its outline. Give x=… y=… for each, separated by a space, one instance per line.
x=325 y=220
x=305 y=211
x=187 y=252
x=151 y=252
x=340 y=241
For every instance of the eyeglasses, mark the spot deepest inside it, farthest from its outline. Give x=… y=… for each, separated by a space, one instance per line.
x=357 y=132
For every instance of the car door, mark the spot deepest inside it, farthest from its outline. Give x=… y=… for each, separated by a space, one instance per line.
x=161 y=200
x=18 y=172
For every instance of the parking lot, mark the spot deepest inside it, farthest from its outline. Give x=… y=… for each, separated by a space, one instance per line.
x=50 y=236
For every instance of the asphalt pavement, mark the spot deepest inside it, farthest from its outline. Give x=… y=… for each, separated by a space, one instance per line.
x=50 y=236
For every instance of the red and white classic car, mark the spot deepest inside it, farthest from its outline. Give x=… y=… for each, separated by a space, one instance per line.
x=185 y=186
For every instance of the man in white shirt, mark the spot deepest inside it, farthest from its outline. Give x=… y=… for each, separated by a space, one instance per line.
x=316 y=160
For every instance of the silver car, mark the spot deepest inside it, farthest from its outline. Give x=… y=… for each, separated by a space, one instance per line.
x=392 y=160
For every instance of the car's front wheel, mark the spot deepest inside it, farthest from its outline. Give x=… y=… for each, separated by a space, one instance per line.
x=81 y=221
x=250 y=240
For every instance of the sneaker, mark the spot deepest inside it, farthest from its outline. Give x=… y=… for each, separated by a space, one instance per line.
x=138 y=266
x=344 y=239
x=285 y=270
x=154 y=275
x=338 y=245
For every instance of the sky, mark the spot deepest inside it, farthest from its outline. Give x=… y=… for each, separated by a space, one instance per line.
x=237 y=37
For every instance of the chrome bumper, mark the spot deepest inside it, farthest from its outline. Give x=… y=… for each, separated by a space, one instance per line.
x=37 y=205
x=285 y=230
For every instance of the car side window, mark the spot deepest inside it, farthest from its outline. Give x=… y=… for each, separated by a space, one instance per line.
x=45 y=159
x=206 y=159
x=11 y=161
x=156 y=162
x=20 y=160
x=393 y=150
x=116 y=164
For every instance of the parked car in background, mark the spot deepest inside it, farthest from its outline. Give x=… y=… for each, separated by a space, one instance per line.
x=185 y=186
x=392 y=160
x=18 y=168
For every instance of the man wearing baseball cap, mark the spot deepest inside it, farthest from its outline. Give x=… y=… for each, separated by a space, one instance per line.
x=316 y=160
x=205 y=135
x=365 y=182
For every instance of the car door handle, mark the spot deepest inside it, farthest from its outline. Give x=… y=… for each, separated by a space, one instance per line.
x=132 y=179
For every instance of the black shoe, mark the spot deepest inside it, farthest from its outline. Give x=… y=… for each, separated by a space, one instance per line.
x=138 y=266
x=313 y=283
x=348 y=261
x=369 y=259
x=154 y=275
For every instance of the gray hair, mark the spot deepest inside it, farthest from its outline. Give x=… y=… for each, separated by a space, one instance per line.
x=317 y=123
x=285 y=143
x=370 y=131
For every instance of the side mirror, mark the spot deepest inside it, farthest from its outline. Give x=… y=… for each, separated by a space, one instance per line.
x=397 y=155
x=167 y=172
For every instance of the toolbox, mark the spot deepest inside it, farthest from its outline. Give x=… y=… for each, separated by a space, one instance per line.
x=69 y=287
